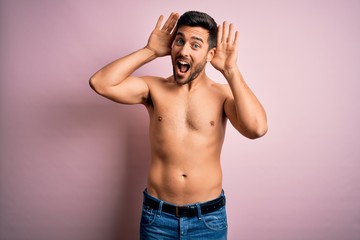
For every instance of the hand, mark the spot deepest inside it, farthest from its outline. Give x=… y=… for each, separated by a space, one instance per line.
x=161 y=39
x=226 y=50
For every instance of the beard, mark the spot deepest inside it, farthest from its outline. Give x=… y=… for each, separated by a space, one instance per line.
x=194 y=72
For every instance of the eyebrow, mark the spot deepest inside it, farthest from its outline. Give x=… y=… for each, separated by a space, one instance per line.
x=193 y=37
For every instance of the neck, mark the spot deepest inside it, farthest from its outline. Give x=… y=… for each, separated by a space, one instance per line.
x=200 y=80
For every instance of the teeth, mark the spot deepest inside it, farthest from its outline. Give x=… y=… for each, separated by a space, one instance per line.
x=183 y=66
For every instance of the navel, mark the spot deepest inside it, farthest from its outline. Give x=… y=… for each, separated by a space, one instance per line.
x=212 y=123
x=184 y=176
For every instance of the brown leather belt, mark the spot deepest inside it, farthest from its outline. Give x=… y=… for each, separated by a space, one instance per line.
x=187 y=210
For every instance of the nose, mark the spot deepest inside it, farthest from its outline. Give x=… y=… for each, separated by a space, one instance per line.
x=184 y=50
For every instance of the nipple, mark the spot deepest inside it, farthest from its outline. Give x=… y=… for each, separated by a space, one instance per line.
x=159 y=118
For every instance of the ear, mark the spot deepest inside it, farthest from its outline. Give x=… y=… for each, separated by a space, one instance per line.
x=210 y=54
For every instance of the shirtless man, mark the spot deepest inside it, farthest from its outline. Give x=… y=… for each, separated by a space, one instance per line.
x=188 y=114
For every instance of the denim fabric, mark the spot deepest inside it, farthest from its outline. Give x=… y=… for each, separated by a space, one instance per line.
x=159 y=225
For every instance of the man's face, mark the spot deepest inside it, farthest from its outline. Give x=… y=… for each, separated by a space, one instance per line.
x=189 y=53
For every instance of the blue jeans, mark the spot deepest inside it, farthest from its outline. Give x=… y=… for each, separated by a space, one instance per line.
x=160 y=225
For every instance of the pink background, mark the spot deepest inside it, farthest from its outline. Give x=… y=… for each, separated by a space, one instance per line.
x=73 y=164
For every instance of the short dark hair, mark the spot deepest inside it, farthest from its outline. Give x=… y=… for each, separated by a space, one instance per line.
x=200 y=19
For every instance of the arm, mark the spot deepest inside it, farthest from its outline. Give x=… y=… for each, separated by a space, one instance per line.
x=243 y=109
x=115 y=82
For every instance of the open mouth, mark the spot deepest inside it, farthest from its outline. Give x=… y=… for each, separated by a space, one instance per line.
x=183 y=66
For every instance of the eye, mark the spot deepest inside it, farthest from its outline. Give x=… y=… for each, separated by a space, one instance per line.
x=196 y=46
x=179 y=42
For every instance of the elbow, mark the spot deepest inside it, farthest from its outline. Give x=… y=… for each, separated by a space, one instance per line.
x=91 y=83
x=260 y=128
x=94 y=84
x=257 y=132
x=260 y=131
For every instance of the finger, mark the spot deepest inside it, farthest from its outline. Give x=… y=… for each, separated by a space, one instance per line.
x=224 y=32
x=219 y=35
x=170 y=22
x=230 y=36
x=173 y=22
x=158 y=23
x=236 y=39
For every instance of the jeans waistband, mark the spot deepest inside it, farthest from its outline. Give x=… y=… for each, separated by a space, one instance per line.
x=186 y=210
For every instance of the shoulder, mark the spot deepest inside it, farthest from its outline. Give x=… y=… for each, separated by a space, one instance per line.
x=223 y=89
x=159 y=87
x=154 y=81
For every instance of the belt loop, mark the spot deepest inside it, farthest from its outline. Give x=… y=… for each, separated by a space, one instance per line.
x=198 y=210
x=160 y=208
x=177 y=211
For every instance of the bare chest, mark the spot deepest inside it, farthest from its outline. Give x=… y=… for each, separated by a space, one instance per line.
x=195 y=112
